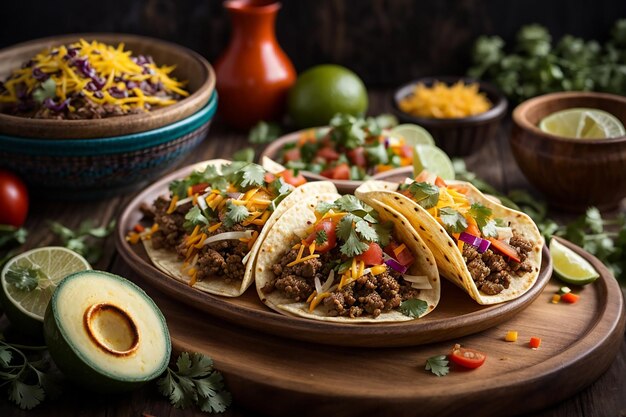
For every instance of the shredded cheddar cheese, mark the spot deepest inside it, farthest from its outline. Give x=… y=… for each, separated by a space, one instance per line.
x=442 y=101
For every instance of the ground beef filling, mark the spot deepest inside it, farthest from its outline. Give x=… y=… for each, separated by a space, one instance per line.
x=367 y=296
x=491 y=272
x=171 y=231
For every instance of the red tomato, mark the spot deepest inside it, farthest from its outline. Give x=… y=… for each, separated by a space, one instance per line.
x=357 y=157
x=405 y=258
x=199 y=188
x=292 y=155
x=289 y=178
x=439 y=182
x=466 y=357
x=328 y=153
x=340 y=172
x=405 y=151
x=372 y=256
x=13 y=199
x=331 y=236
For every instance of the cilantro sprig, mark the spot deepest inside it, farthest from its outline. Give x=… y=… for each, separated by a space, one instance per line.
x=424 y=194
x=452 y=220
x=350 y=131
x=26 y=372
x=482 y=215
x=235 y=214
x=86 y=240
x=195 y=382
x=413 y=307
x=438 y=365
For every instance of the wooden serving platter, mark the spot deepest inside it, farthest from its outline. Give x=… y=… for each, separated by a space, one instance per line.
x=456 y=315
x=281 y=376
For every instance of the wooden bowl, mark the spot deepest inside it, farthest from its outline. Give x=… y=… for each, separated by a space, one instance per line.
x=458 y=136
x=573 y=174
x=190 y=66
x=272 y=151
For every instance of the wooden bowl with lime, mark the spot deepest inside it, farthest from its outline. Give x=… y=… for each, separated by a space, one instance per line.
x=572 y=147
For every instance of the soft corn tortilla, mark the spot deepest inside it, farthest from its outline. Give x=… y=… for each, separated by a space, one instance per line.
x=169 y=262
x=292 y=226
x=449 y=258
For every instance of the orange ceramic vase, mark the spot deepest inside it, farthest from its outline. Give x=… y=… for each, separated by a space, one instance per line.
x=254 y=73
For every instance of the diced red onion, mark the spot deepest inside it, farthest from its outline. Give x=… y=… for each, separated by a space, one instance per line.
x=50 y=104
x=395 y=265
x=480 y=244
x=484 y=245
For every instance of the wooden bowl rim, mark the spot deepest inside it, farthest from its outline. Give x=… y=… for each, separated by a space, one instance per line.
x=521 y=110
x=498 y=110
x=94 y=127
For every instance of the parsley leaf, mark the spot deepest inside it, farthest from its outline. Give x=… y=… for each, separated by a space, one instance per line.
x=195 y=217
x=482 y=216
x=23 y=278
x=413 y=307
x=452 y=220
x=195 y=382
x=438 y=365
x=235 y=214
x=425 y=194
x=321 y=237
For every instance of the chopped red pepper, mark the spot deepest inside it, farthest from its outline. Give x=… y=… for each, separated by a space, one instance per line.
x=504 y=249
x=138 y=228
x=570 y=297
x=535 y=342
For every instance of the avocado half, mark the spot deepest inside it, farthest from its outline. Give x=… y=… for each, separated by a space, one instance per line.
x=105 y=333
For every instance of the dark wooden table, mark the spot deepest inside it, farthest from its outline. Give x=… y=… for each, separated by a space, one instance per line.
x=495 y=164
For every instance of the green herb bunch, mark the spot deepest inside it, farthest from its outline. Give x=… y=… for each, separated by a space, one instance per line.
x=537 y=66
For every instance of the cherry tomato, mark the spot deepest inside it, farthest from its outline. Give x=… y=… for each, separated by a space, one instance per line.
x=292 y=155
x=466 y=357
x=331 y=236
x=357 y=156
x=372 y=256
x=405 y=258
x=295 y=180
x=328 y=153
x=13 y=199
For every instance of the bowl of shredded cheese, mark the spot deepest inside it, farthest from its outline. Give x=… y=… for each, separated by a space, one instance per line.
x=99 y=85
x=462 y=114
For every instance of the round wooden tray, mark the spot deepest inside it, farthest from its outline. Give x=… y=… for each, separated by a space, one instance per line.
x=279 y=376
x=456 y=315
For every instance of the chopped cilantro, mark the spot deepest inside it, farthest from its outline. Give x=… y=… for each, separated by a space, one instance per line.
x=383 y=230
x=323 y=207
x=23 y=278
x=281 y=190
x=235 y=214
x=482 y=216
x=438 y=365
x=247 y=176
x=377 y=154
x=353 y=246
x=366 y=231
x=348 y=203
x=425 y=194
x=245 y=155
x=195 y=217
x=452 y=220
x=321 y=237
x=413 y=307
x=264 y=132
x=344 y=228
x=48 y=89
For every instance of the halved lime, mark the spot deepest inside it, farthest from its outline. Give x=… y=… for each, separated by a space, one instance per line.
x=29 y=279
x=583 y=123
x=569 y=266
x=433 y=160
x=413 y=134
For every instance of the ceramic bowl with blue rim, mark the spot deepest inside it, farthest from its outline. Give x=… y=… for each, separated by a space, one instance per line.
x=77 y=169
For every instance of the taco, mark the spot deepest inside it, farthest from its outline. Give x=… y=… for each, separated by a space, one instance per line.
x=342 y=260
x=208 y=229
x=490 y=251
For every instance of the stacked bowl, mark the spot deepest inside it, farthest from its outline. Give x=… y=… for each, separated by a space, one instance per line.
x=97 y=158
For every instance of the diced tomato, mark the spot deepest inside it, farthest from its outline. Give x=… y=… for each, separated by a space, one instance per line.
x=357 y=157
x=292 y=155
x=328 y=153
x=331 y=236
x=372 y=256
x=439 y=182
x=199 y=188
x=570 y=298
x=472 y=228
x=295 y=180
x=405 y=258
x=405 y=151
x=466 y=357
x=504 y=249
x=340 y=172
x=269 y=177
x=534 y=342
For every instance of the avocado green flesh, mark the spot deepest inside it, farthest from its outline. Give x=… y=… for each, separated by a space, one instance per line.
x=125 y=345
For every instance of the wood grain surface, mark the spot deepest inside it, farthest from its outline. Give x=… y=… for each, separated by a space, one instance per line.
x=495 y=164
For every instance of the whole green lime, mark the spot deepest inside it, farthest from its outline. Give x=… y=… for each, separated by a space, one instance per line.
x=324 y=90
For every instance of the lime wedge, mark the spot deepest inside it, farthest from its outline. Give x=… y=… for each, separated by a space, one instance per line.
x=413 y=134
x=433 y=160
x=583 y=123
x=569 y=266
x=29 y=279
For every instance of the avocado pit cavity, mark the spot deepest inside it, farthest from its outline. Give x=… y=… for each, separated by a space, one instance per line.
x=111 y=329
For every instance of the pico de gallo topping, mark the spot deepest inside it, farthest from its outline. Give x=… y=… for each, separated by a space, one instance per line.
x=350 y=262
x=493 y=251
x=352 y=149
